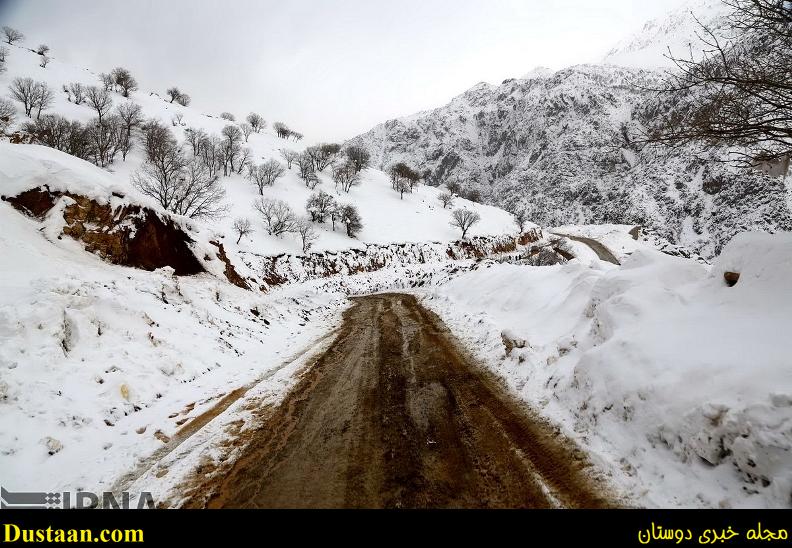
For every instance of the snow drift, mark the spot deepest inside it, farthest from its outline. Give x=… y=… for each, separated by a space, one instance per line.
x=678 y=381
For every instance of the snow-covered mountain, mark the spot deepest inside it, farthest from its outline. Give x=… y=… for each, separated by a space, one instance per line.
x=564 y=144
x=678 y=32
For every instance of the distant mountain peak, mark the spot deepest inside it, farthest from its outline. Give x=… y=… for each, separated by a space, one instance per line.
x=648 y=47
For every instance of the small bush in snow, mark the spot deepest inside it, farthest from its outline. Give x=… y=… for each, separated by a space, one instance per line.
x=43 y=49
x=228 y=116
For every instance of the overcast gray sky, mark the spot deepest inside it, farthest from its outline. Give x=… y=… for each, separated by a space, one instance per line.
x=329 y=69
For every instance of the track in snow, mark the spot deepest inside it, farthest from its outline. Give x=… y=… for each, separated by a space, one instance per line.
x=394 y=414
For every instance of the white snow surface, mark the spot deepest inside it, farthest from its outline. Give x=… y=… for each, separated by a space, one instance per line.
x=679 y=385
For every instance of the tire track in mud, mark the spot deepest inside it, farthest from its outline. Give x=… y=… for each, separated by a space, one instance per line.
x=395 y=415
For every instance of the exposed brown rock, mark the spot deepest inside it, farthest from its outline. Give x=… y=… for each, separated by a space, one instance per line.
x=35 y=202
x=230 y=272
x=731 y=278
x=128 y=235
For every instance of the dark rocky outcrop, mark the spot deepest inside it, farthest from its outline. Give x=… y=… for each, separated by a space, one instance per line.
x=127 y=235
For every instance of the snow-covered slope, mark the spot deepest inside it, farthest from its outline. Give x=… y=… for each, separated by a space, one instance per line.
x=565 y=144
x=678 y=32
x=386 y=218
x=678 y=382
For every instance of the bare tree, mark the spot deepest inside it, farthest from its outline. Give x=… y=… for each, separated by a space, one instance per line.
x=12 y=35
x=322 y=155
x=349 y=216
x=247 y=129
x=266 y=174
x=463 y=219
x=211 y=153
x=194 y=137
x=256 y=122
x=320 y=205
x=24 y=91
x=403 y=178
x=200 y=195
x=306 y=167
x=232 y=146
x=3 y=54
x=402 y=186
x=124 y=80
x=454 y=188
x=346 y=176
x=446 y=198
x=77 y=91
x=359 y=157
x=43 y=49
x=99 y=100
x=228 y=116
x=277 y=215
x=738 y=92
x=174 y=93
x=308 y=234
x=176 y=119
x=105 y=138
x=289 y=156
x=181 y=186
x=520 y=216
x=7 y=114
x=44 y=61
x=184 y=100
x=107 y=81
x=242 y=227
x=245 y=159
x=281 y=130
x=130 y=116
x=43 y=97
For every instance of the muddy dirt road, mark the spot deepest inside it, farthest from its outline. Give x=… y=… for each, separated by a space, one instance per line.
x=395 y=415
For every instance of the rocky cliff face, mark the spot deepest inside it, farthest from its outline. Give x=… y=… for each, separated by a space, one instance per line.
x=565 y=144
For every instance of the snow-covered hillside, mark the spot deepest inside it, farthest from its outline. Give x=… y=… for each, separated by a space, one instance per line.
x=565 y=145
x=386 y=217
x=678 y=32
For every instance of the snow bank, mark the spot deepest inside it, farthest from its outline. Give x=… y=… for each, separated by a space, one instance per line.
x=681 y=384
